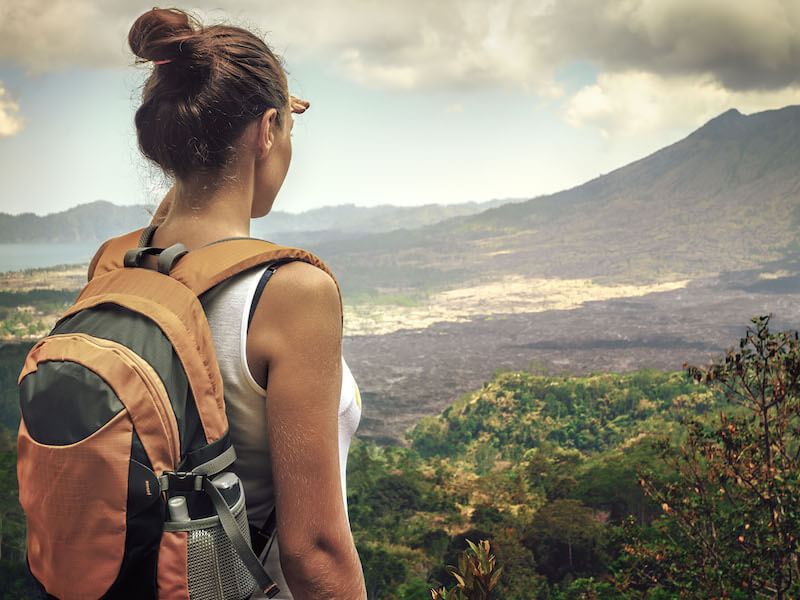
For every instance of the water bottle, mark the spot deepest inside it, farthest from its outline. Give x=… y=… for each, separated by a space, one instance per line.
x=178 y=511
x=229 y=487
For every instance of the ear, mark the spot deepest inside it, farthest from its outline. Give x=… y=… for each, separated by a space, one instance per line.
x=267 y=128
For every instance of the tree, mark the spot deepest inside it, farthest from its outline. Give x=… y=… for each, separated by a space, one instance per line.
x=564 y=537
x=611 y=483
x=383 y=571
x=730 y=526
x=12 y=519
x=552 y=469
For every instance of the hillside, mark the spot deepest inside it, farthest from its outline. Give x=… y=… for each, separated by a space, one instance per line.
x=486 y=467
x=348 y=220
x=92 y=222
x=559 y=474
x=725 y=198
x=97 y=221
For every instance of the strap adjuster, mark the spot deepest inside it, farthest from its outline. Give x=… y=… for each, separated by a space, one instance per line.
x=181 y=481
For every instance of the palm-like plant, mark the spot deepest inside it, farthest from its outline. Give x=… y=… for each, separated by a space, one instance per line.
x=476 y=575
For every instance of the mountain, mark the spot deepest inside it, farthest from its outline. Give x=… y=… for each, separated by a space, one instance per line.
x=348 y=220
x=725 y=198
x=97 y=221
x=92 y=222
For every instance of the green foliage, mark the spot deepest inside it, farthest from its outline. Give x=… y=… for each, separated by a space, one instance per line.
x=12 y=520
x=43 y=300
x=415 y=589
x=476 y=575
x=590 y=414
x=550 y=471
x=564 y=537
x=588 y=588
x=543 y=467
x=383 y=570
x=15 y=582
x=731 y=525
x=12 y=356
x=610 y=484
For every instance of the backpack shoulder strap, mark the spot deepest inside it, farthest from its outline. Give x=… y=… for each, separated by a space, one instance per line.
x=204 y=267
x=111 y=254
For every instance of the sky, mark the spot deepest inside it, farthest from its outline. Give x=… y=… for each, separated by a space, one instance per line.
x=412 y=101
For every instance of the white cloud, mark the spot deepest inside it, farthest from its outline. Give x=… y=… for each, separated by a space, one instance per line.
x=663 y=63
x=412 y=44
x=393 y=44
x=10 y=120
x=637 y=103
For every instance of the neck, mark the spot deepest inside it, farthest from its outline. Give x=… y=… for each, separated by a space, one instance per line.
x=201 y=213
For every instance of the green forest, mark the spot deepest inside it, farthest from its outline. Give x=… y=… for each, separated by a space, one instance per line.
x=641 y=485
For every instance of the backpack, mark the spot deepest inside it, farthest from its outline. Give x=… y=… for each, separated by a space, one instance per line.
x=123 y=442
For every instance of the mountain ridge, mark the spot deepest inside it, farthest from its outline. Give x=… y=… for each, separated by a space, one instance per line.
x=98 y=220
x=726 y=197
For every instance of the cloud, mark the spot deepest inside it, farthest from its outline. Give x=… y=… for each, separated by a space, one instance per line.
x=636 y=103
x=745 y=45
x=452 y=44
x=445 y=44
x=47 y=35
x=10 y=120
x=408 y=44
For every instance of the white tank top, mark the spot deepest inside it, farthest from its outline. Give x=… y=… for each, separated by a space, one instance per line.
x=228 y=307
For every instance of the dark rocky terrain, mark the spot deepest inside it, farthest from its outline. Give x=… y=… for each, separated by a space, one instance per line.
x=406 y=375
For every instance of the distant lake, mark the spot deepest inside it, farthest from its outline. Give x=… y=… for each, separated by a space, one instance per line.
x=16 y=257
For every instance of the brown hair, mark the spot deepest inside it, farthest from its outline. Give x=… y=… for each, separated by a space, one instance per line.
x=208 y=85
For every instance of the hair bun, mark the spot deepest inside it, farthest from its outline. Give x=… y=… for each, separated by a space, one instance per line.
x=166 y=34
x=212 y=83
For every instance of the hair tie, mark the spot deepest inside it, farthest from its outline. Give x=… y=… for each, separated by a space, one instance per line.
x=162 y=62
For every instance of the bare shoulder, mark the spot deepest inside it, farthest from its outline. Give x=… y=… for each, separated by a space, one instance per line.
x=298 y=321
x=298 y=315
x=300 y=284
x=300 y=299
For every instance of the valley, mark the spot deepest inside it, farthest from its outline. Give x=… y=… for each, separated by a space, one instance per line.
x=407 y=374
x=660 y=262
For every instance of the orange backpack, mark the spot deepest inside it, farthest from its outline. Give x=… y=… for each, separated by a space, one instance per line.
x=123 y=443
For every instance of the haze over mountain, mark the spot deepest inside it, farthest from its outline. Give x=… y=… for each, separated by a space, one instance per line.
x=97 y=221
x=727 y=197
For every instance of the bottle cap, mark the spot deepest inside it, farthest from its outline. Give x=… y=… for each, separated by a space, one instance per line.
x=178 y=511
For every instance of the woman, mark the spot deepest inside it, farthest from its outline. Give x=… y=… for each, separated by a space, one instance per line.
x=216 y=115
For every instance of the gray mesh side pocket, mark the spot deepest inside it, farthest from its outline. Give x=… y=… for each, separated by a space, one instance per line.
x=215 y=570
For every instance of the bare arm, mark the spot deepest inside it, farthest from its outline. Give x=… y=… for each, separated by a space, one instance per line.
x=296 y=333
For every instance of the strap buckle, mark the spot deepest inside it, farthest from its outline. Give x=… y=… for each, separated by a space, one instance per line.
x=181 y=481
